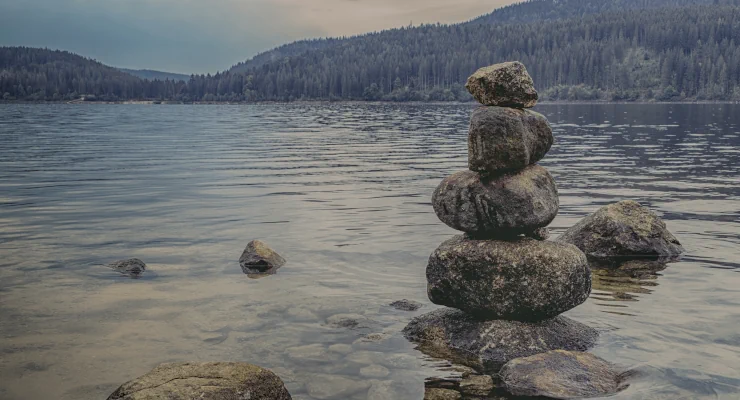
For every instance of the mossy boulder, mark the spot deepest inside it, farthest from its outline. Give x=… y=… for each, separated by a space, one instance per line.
x=206 y=381
x=505 y=139
x=487 y=345
x=503 y=206
x=524 y=279
x=505 y=85
x=561 y=375
x=259 y=257
x=624 y=229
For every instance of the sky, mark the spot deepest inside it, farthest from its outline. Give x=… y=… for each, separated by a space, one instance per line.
x=201 y=36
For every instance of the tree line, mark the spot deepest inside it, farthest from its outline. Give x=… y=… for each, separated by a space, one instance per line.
x=670 y=53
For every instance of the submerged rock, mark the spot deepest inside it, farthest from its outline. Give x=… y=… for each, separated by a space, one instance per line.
x=406 y=305
x=525 y=279
x=624 y=229
x=132 y=267
x=334 y=387
x=561 y=375
x=441 y=394
x=487 y=345
x=506 y=85
x=504 y=139
x=259 y=257
x=477 y=385
x=208 y=381
x=506 y=205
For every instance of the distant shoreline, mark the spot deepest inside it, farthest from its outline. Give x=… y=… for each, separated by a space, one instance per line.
x=545 y=102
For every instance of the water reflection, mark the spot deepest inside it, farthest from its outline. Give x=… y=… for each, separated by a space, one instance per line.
x=616 y=281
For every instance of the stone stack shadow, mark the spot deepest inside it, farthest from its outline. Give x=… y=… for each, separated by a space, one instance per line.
x=506 y=286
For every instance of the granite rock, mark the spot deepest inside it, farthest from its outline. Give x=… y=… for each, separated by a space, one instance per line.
x=487 y=345
x=524 y=279
x=624 y=229
x=561 y=375
x=505 y=139
x=214 y=381
x=259 y=257
x=506 y=85
x=502 y=206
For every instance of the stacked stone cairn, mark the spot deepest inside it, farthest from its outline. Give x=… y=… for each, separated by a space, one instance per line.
x=506 y=285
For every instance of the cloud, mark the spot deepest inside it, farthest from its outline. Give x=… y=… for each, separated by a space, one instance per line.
x=207 y=35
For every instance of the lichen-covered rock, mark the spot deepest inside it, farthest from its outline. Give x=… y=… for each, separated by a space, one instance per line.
x=259 y=257
x=524 y=279
x=539 y=234
x=487 y=345
x=207 y=381
x=132 y=267
x=506 y=85
x=624 y=229
x=502 y=206
x=505 y=139
x=561 y=375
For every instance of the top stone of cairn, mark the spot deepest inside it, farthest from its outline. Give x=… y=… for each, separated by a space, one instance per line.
x=505 y=85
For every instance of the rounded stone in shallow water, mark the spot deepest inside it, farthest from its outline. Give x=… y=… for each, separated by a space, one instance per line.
x=207 y=381
x=524 y=279
x=624 y=229
x=505 y=139
x=506 y=84
x=258 y=257
x=487 y=345
x=132 y=267
x=502 y=206
x=561 y=375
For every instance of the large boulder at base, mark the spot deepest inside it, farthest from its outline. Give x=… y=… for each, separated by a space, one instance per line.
x=561 y=375
x=505 y=85
x=525 y=279
x=132 y=267
x=504 y=139
x=259 y=257
x=624 y=229
x=206 y=381
x=505 y=205
x=487 y=345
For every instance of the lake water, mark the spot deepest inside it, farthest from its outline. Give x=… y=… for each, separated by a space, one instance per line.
x=343 y=193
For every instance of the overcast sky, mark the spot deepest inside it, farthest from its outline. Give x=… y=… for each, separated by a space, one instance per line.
x=207 y=35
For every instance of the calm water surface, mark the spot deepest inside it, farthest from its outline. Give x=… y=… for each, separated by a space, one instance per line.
x=343 y=192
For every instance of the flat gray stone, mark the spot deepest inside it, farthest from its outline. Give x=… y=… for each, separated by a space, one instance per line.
x=505 y=205
x=207 y=381
x=624 y=229
x=523 y=279
x=561 y=375
x=506 y=85
x=505 y=139
x=259 y=257
x=487 y=345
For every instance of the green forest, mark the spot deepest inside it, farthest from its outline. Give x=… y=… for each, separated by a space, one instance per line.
x=574 y=49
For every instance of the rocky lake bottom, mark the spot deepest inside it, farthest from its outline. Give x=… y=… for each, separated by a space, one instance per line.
x=343 y=192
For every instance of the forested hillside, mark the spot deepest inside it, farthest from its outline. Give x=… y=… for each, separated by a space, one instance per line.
x=574 y=49
x=152 y=75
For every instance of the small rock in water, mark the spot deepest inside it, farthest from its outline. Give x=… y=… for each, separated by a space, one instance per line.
x=487 y=345
x=133 y=267
x=524 y=279
x=561 y=375
x=217 y=380
x=259 y=257
x=502 y=206
x=347 y=321
x=624 y=229
x=505 y=85
x=406 y=305
x=505 y=139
